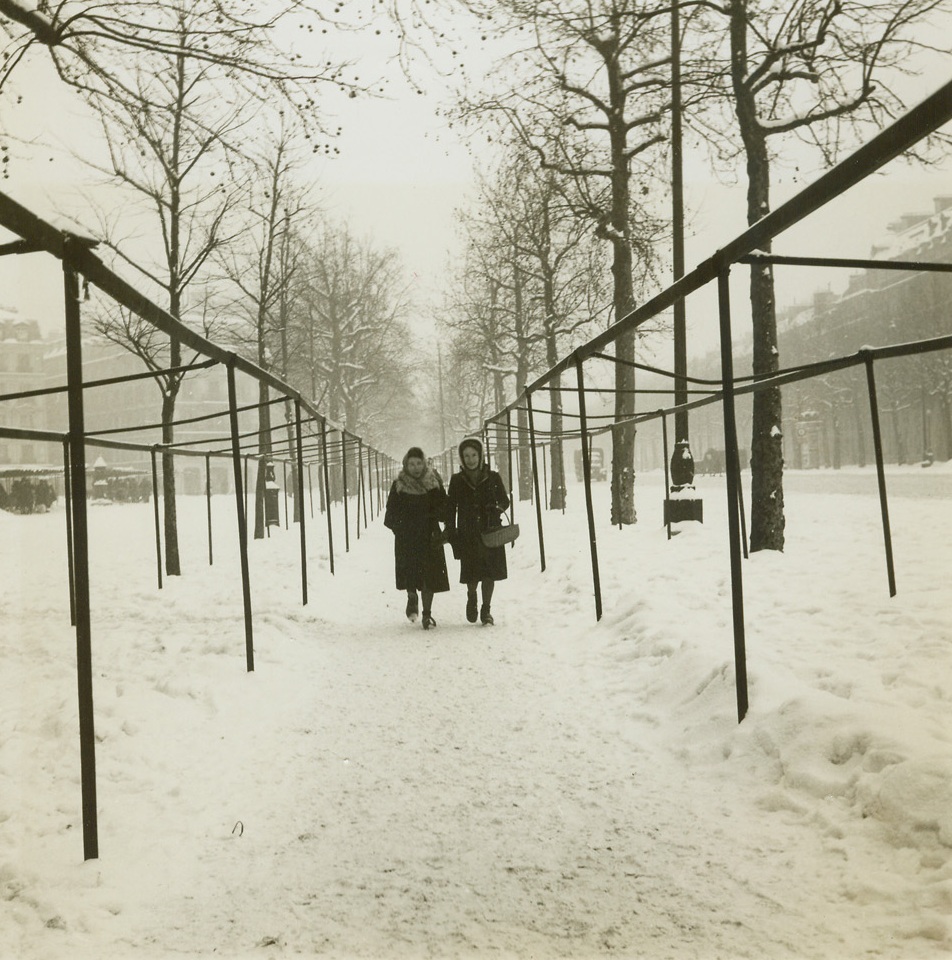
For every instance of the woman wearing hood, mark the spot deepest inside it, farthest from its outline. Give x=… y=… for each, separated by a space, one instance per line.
x=415 y=506
x=477 y=498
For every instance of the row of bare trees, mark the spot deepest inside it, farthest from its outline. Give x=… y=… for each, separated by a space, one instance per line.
x=530 y=284
x=586 y=87
x=204 y=123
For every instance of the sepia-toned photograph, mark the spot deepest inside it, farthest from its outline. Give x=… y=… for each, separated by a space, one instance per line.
x=475 y=479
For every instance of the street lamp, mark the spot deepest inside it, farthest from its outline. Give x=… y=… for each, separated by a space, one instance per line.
x=682 y=461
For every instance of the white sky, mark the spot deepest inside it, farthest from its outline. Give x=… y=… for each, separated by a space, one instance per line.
x=402 y=173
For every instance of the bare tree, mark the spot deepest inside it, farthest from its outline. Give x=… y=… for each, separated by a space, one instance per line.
x=819 y=71
x=176 y=170
x=349 y=326
x=262 y=268
x=569 y=286
x=544 y=276
x=96 y=46
x=589 y=102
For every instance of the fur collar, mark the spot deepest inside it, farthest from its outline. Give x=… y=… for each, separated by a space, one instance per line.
x=429 y=480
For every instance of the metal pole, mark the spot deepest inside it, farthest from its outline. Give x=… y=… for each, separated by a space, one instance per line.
x=379 y=481
x=245 y=500
x=241 y=506
x=358 y=487
x=155 y=510
x=677 y=218
x=322 y=477
x=343 y=467
x=378 y=476
x=535 y=480
x=67 y=499
x=545 y=478
x=327 y=493
x=667 y=481
x=360 y=483
x=740 y=498
x=208 y=502
x=881 y=474
x=587 y=471
x=732 y=471
x=512 y=496
x=77 y=491
x=370 y=483
x=284 y=471
x=439 y=371
x=299 y=493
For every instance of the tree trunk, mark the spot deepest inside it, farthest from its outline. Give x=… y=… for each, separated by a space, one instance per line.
x=623 y=301
x=557 y=454
x=766 y=445
x=623 y=437
x=264 y=456
x=859 y=419
x=524 y=474
x=289 y=417
x=897 y=435
x=173 y=566
x=947 y=424
x=837 y=456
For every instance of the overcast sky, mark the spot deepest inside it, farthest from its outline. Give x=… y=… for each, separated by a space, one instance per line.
x=402 y=173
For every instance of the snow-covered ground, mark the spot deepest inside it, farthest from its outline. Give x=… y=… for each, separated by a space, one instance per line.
x=548 y=787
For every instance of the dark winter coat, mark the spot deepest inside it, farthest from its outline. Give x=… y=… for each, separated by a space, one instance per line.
x=473 y=508
x=414 y=511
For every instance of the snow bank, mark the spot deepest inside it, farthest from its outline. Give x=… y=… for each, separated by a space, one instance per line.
x=548 y=787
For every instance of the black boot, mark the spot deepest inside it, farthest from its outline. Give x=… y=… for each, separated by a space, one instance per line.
x=485 y=616
x=471 y=608
x=413 y=605
x=428 y=622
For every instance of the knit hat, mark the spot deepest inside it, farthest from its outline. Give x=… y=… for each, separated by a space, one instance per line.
x=473 y=442
x=413 y=452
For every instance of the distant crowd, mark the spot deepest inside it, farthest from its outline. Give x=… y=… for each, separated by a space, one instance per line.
x=26 y=495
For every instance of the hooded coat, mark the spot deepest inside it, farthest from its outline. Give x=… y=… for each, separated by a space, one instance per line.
x=415 y=507
x=476 y=500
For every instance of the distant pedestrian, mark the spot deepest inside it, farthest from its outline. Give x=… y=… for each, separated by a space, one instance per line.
x=415 y=507
x=477 y=499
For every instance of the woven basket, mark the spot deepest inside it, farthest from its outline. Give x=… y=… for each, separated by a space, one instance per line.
x=501 y=535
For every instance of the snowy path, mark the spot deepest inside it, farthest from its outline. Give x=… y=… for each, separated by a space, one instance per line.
x=543 y=788
x=453 y=793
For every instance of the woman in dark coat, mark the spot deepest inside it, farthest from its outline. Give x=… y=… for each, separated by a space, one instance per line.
x=415 y=506
x=477 y=498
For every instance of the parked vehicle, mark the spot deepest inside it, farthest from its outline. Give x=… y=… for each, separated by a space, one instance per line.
x=597 y=458
x=714 y=461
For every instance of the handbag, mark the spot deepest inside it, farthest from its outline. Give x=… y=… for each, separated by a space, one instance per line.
x=501 y=535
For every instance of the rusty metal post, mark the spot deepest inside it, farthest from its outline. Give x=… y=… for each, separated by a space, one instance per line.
x=667 y=479
x=535 y=481
x=327 y=493
x=299 y=494
x=241 y=507
x=208 y=503
x=732 y=471
x=587 y=471
x=67 y=486
x=77 y=492
x=881 y=475
x=343 y=469
x=155 y=511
